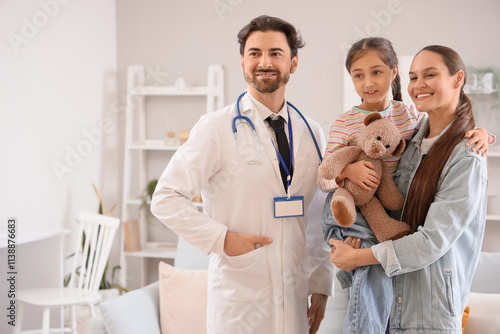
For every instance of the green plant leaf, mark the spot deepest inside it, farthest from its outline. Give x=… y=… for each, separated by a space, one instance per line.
x=101 y=210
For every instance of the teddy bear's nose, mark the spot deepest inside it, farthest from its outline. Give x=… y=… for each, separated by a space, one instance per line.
x=375 y=148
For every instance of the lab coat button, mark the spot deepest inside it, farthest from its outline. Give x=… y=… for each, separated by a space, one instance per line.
x=399 y=300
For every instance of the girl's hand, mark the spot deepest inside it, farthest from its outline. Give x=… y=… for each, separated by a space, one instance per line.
x=353 y=242
x=362 y=173
x=479 y=137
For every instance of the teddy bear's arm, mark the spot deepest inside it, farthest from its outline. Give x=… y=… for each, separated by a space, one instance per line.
x=335 y=163
x=387 y=192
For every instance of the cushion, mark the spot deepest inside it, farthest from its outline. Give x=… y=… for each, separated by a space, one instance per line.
x=483 y=313
x=487 y=275
x=96 y=326
x=183 y=300
x=120 y=316
x=464 y=318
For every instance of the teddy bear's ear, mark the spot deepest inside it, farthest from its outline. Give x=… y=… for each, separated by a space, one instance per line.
x=399 y=150
x=373 y=116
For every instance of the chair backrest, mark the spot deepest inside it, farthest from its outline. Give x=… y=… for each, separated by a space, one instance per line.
x=94 y=241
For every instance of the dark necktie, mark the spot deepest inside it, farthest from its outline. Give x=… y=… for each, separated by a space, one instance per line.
x=278 y=125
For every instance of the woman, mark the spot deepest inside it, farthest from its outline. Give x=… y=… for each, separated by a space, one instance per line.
x=445 y=187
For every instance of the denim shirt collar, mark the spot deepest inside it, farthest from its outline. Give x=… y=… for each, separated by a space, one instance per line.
x=417 y=139
x=424 y=129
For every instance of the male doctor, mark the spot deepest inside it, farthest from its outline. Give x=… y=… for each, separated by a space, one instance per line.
x=266 y=250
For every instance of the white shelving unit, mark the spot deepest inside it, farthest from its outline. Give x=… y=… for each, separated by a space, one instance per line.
x=494 y=151
x=137 y=144
x=493 y=158
x=483 y=100
x=495 y=218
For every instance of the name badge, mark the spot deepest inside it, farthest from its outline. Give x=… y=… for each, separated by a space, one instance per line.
x=292 y=206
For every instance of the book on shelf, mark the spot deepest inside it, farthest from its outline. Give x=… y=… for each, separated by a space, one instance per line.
x=132 y=236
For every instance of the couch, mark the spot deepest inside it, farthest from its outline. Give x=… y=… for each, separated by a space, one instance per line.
x=138 y=311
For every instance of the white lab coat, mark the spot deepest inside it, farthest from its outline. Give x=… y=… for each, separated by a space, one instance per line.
x=266 y=290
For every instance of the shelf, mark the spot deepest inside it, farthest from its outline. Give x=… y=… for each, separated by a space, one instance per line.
x=141 y=150
x=480 y=92
x=493 y=152
x=169 y=91
x=134 y=201
x=493 y=218
x=153 y=144
x=156 y=250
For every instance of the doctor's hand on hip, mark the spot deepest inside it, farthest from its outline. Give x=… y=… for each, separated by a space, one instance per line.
x=241 y=243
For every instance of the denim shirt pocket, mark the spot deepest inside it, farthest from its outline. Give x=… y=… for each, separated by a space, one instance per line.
x=449 y=292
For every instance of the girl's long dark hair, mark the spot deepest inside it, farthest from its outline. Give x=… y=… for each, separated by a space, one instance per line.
x=424 y=185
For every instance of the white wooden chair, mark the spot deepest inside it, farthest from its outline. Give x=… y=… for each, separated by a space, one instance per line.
x=95 y=238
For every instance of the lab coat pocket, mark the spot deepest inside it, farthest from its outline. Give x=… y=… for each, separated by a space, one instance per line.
x=246 y=277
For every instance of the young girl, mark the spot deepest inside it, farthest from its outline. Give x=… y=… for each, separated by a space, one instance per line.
x=445 y=186
x=373 y=66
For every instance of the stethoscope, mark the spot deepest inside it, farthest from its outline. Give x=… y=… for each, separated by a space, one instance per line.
x=250 y=123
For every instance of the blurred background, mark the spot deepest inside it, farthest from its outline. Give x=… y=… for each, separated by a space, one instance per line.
x=63 y=78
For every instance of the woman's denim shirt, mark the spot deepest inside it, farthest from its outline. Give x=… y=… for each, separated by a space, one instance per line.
x=432 y=268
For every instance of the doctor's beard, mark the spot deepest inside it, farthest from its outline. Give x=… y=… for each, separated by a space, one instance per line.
x=267 y=85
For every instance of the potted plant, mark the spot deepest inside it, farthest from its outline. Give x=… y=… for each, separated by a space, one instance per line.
x=483 y=81
x=483 y=88
x=147 y=193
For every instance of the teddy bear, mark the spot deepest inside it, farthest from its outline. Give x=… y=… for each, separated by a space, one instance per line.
x=378 y=140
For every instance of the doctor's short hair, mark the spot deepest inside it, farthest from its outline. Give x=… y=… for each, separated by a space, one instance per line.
x=268 y=23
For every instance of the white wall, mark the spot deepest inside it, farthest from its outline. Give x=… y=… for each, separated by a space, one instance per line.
x=183 y=38
x=57 y=82
x=177 y=39
x=56 y=86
